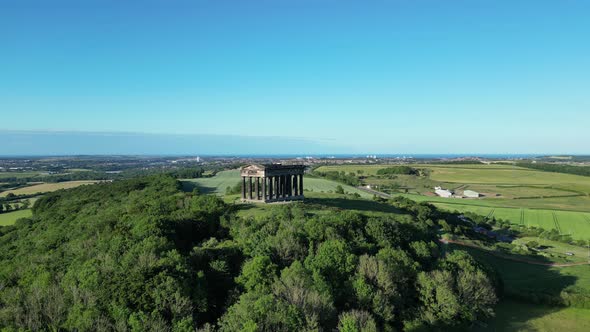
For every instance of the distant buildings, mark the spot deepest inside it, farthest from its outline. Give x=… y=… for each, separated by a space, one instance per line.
x=443 y=192
x=471 y=194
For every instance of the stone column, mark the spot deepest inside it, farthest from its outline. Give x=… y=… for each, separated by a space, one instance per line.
x=243 y=187
x=300 y=184
x=250 y=187
x=280 y=193
x=289 y=185
x=286 y=186
x=295 y=185
x=282 y=186
x=257 y=188
x=264 y=188
x=270 y=185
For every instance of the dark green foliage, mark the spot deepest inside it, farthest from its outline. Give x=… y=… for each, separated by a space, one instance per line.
x=350 y=179
x=116 y=256
x=393 y=170
x=346 y=271
x=557 y=168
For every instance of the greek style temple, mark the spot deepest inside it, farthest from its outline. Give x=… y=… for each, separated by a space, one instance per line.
x=272 y=183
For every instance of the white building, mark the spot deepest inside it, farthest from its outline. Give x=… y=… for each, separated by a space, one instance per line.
x=470 y=194
x=443 y=192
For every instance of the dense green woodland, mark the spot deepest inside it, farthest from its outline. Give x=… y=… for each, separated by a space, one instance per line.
x=557 y=168
x=140 y=254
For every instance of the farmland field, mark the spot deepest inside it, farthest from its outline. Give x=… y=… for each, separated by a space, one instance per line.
x=576 y=224
x=4 y=175
x=45 y=187
x=479 y=174
x=10 y=217
x=222 y=180
x=522 y=196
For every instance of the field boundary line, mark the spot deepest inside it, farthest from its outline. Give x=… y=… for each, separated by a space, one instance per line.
x=556 y=222
x=491 y=213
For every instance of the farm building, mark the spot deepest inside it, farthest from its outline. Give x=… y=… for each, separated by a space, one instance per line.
x=471 y=194
x=443 y=192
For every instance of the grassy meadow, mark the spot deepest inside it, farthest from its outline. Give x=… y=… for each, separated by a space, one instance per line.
x=10 y=218
x=521 y=277
x=512 y=316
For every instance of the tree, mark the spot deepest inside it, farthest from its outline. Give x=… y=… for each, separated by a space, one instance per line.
x=458 y=291
x=332 y=264
x=339 y=189
x=356 y=321
x=26 y=204
x=259 y=272
x=296 y=286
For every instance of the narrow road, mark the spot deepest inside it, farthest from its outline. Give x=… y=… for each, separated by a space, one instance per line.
x=374 y=192
x=497 y=254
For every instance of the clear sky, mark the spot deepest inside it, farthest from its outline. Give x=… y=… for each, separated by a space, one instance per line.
x=407 y=76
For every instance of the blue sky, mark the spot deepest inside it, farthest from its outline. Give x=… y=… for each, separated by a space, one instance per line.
x=409 y=76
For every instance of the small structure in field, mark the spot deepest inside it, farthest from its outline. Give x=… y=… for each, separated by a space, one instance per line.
x=272 y=183
x=443 y=192
x=471 y=194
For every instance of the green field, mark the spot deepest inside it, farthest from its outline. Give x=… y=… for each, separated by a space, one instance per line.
x=576 y=224
x=10 y=217
x=479 y=174
x=218 y=184
x=512 y=316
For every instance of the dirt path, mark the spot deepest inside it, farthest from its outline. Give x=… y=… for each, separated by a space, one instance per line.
x=494 y=253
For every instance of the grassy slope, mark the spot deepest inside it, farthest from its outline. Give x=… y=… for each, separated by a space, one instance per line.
x=11 y=217
x=558 y=248
x=516 y=316
x=318 y=203
x=520 y=277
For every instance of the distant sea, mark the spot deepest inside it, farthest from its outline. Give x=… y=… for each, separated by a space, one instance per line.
x=389 y=156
